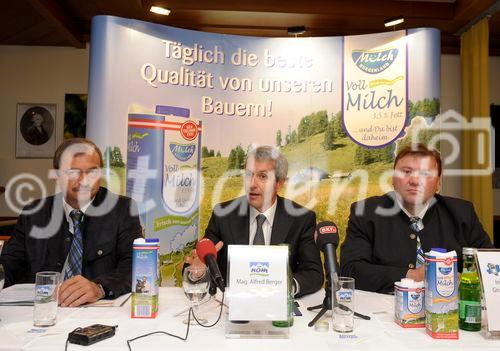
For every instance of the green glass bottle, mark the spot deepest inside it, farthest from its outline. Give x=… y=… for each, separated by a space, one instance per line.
x=290 y=300
x=289 y=322
x=469 y=315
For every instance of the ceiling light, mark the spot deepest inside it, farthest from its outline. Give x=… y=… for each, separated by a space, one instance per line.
x=160 y=10
x=296 y=30
x=393 y=21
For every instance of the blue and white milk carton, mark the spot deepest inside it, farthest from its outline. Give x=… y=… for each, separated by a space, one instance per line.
x=145 y=280
x=441 y=294
x=409 y=311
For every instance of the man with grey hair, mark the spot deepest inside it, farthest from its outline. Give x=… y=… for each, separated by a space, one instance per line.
x=261 y=217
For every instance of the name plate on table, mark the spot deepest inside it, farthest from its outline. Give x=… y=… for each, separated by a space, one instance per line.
x=258 y=282
x=488 y=262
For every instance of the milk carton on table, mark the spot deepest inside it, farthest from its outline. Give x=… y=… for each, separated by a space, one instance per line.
x=145 y=280
x=409 y=311
x=441 y=294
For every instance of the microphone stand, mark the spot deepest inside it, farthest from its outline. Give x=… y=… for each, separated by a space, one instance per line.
x=327 y=301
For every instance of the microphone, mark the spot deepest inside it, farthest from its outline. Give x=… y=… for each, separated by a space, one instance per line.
x=326 y=237
x=205 y=249
x=327 y=240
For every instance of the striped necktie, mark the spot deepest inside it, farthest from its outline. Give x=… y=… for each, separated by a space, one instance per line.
x=259 y=233
x=416 y=225
x=74 y=265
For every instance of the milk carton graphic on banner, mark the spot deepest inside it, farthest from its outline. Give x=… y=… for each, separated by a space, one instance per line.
x=163 y=165
x=441 y=294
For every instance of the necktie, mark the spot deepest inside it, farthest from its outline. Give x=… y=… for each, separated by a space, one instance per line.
x=416 y=225
x=259 y=233
x=74 y=265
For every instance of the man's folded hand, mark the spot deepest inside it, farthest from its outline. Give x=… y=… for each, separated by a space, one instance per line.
x=77 y=291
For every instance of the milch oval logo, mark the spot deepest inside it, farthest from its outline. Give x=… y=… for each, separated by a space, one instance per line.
x=445 y=270
x=374 y=61
x=182 y=152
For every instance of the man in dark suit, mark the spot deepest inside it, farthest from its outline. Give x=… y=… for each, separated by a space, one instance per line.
x=388 y=235
x=263 y=218
x=85 y=232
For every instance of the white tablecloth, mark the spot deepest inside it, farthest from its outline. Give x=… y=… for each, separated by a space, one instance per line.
x=380 y=333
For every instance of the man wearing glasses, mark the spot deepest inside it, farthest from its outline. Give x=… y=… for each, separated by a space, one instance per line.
x=84 y=231
x=388 y=235
x=261 y=217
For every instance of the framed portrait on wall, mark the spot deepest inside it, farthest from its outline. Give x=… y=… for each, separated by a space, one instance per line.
x=35 y=132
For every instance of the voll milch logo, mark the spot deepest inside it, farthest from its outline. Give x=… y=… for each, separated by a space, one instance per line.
x=182 y=152
x=374 y=61
x=259 y=268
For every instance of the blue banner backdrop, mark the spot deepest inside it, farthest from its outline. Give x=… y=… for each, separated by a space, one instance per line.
x=175 y=112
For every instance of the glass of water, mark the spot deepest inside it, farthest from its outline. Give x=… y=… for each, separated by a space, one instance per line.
x=46 y=291
x=196 y=281
x=2 y=277
x=343 y=305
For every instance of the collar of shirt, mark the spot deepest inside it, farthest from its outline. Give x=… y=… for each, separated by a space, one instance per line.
x=420 y=215
x=67 y=210
x=268 y=224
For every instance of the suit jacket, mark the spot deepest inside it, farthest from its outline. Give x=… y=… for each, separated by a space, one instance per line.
x=41 y=241
x=379 y=250
x=35 y=136
x=230 y=223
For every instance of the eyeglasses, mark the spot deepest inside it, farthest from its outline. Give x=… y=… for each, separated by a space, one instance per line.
x=75 y=173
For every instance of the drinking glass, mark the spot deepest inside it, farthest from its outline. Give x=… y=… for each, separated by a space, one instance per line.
x=2 y=272
x=46 y=291
x=2 y=277
x=196 y=281
x=343 y=305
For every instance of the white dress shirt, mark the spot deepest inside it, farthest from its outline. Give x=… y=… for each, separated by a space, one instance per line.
x=267 y=228
x=420 y=215
x=67 y=211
